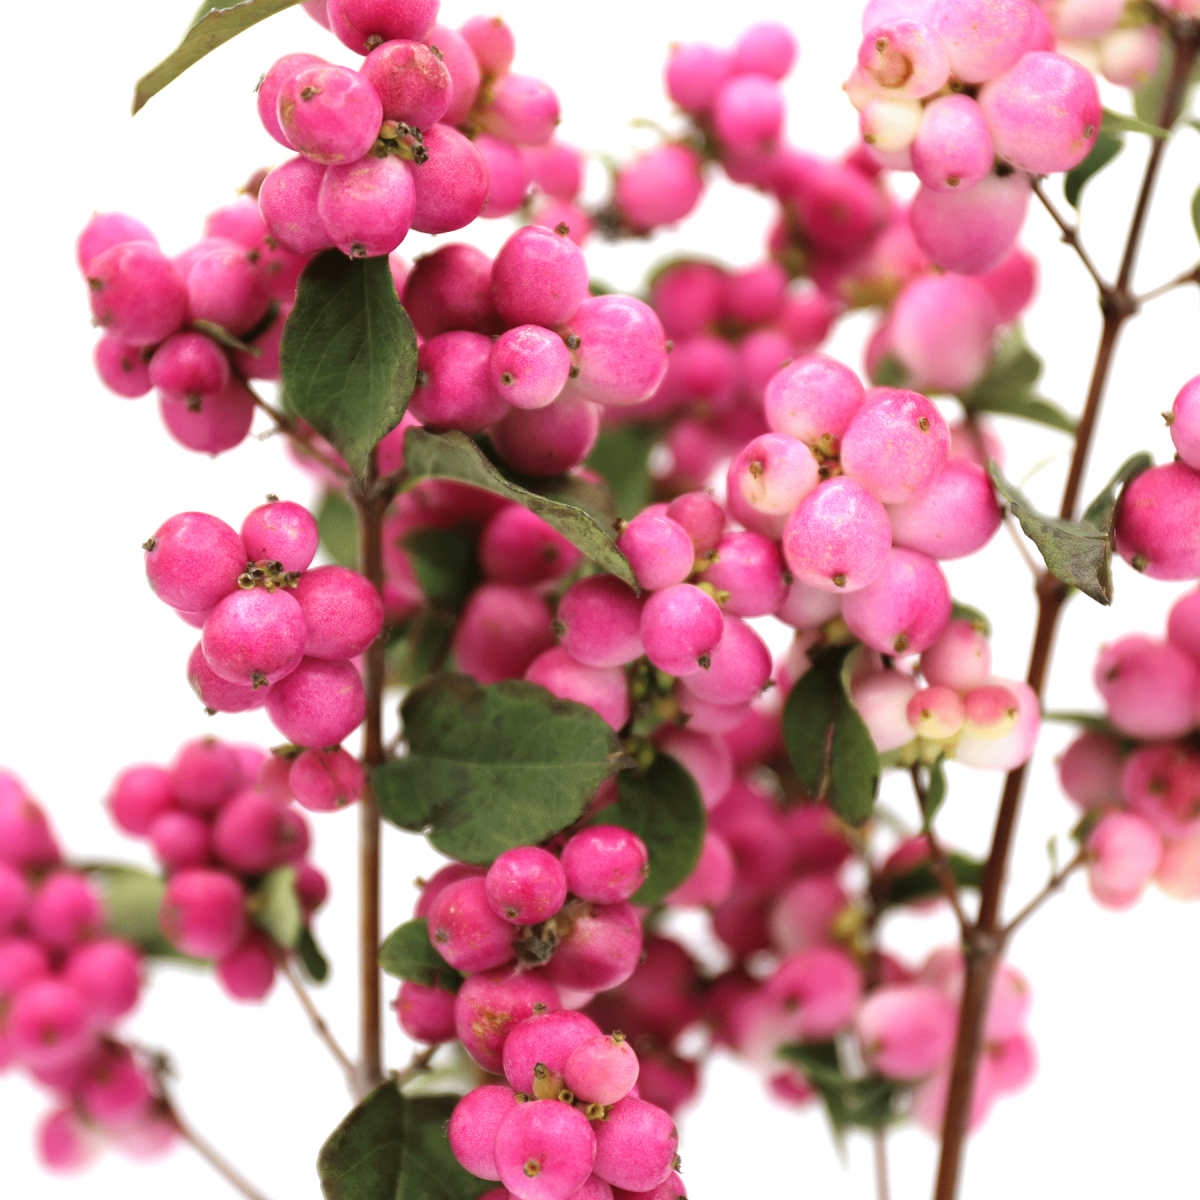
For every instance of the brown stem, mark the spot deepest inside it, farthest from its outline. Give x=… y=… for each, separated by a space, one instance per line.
x=938 y=862
x=318 y=1022
x=285 y=425
x=1190 y=276
x=882 y=1189
x=1070 y=234
x=370 y=506
x=1053 y=884
x=418 y=1065
x=983 y=946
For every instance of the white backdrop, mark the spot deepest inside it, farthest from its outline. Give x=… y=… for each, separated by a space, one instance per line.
x=92 y=665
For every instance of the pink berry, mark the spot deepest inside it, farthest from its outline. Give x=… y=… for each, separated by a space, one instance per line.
x=953 y=148
x=212 y=424
x=217 y=693
x=805 y=607
x=248 y=972
x=268 y=90
x=1158 y=522
x=451 y=289
x=636 y=1145
x=838 y=538
x=254 y=834
x=904 y=609
x=817 y=990
x=1090 y=771
x=1159 y=783
x=539 y=277
x=204 y=775
x=48 y=1026
x=465 y=73
x=622 y=352
x=882 y=699
x=326 y=780
x=972 y=231
x=288 y=203
x=990 y=712
x=518 y=547
x=1184 y=420
x=105 y=230
x=1150 y=688
x=702 y=518
x=1183 y=623
x=600 y=951
x=343 y=613
x=190 y=364
x=695 y=73
x=556 y=168
x=749 y=568
x=14 y=898
x=983 y=37
x=748 y=112
x=440 y=880
x=546 y=1038
x=521 y=109
x=451 y=185
x=714 y=876
x=688 y=297
x=312 y=888
x=544 y=1150
x=473 y=1125
x=680 y=628
x=702 y=716
x=492 y=43
x=508 y=175
x=602 y=1070
x=319 y=704
x=65 y=911
x=491 y=1004
x=769 y=478
x=364 y=24
x=1011 y=285
x=413 y=83
x=984 y=750
x=707 y=760
x=465 y=931
x=659 y=187
x=740 y=666
x=254 y=636
x=526 y=885
x=330 y=114
x=203 y=913
x=122 y=367
x=529 y=366
x=605 y=864
x=895 y=444
x=181 y=841
x=805 y=912
x=658 y=549
x=367 y=205
x=813 y=399
x=960 y=659
x=599 y=621
x=501 y=631
x=937 y=712
x=550 y=440
x=138 y=795
x=66 y=1142
x=226 y=287
x=906 y=1032
x=136 y=293
x=426 y=1014
x=281 y=531
x=904 y=57
x=454 y=387
x=603 y=689
x=1126 y=851
x=767 y=48
x=942 y=329
x=956 y=515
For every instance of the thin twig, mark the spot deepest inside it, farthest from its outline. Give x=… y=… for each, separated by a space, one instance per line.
x=882 y=1189
x=1189 y=276
x=1054 y=883
x=1019 y=541
x=285 y=425
x=417 y=1066
x=320 y=1028
x=1070 y=235
x=938 y=861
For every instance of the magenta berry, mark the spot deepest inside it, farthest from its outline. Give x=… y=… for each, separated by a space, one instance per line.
x=658 y=549
x=465 y=73
x=451 y=289
x=603 y=689
x=539 y=277
x=442 y=879
x=770 y=477
x=906 y=1032
x=748 y=112
x=973 y=231
x=473 y=1125
x=212 y=424
x=122 y=368
x=1158 y=522
x=739 y=667
x=508 y=175
x=838 y=538
x=47 y=1025
x=521 y=109
x=702 y=518
x=281 y=531
x=138 y=795
x=248 y=972
x=492 y=43
x=544 y=1150
x=961 y=658
x=622 y=351
x=106 y=230
x=548 y=1039
x=600 y=951
x=688 y=297
x=343 y=613
x=501 y=631
x=659 y=187
x=517 y=546
x=412 y=82
x=695 y=73
x=749 y=569
x=550 y=440
x=680 y=628
x=1150 y=688
x=529 y=366
x=253 y=834
x=319 y=704
x=217 y=693
x=288 y=204
x=602 y=1070
x=330 y=114
x=713 y=878
x=813 y=400
x=14 y=898
x=268 y=90
x=904 y=609
x=191 y=364
x=451 y=185
x=895 y=444
x=107 y=974
x=203 y=913
x=136 y=293
x=490 y=1005
x=254 y=636
x=605 y=864
x=364 y=24
x=804 y=607
x=707 y=760
x=326 y=780
x=65 y=910
x=954 y=516
x=952 y=150
x=464 y=929
x=941 y=330
x=1089 y=771
x=636 y=1145
x=226 y=287
x=1159 y=783
x=599 y=622
x=181 y=841
x=204 y=775
x=426 y=1014
x=367 y=205
x=1184 y=420
x=454 y=386
x=526 y=885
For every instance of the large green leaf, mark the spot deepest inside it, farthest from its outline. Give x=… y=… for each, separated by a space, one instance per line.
x=489 y=768
x=211 y=27
x=1077 y=552
x=1108 y=145
x=276 y=909
x=361 y=1159
x=580 y=510
x=407 y=953
x=431 y=1172
x=621 y=454
x=349 y=355
x=1007 y=388
x=827 y=741
x=663 y=807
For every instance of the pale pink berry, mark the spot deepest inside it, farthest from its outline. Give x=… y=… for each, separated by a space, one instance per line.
x=882 y=699
x=904 y=609
x=972 y=231
x=181 y=841
x=749 y=568
x=895 y=444
x=508 y=175
x=254 y=834
x=1129 y=57
x=491 y=41
x=952 y=150
x=713 y=878
x=600 y=951
x=520 y=109
x=680 y=628
x=771 y=475
x=701 y=516
x=217 y=693
x=326 y=780
x=688 y=297
x=426 y=1014
x=960 y=659
x=367 y=205
x=254 y=636
x=954 y=516
x=1013 y=748
x=529 y=366
x=636 y=1145
x=804 y=606
x=707 y=759
x=739 y=669
x=283 y=532
x=1011 y=285
x=136 y=293
x=1044 y=113
x=904 y=57
x=1126 y=851
x=1158 y=522
x=942 y=329
x=1179 y=873
x=602 y=1070
x=990 y=711
x=454 y=386
x=517 y=546
x=451 y=289
x=813 y=399
x=343 y=612
x=748 y=111
x=838 y=538
x=526 y=885
x=465 y=74
x=937 y=712
x=605 y=690
x=501 y=631
x=413 y=83
x=804 y=914
x=659 y=187
x=473 y=1125
x=544 y=1150
x=1085 y=20
x=465 y=931
x=105 y=230
x=906 y=1032
x=1089 y=771
x=622 y=350
x=287 y=201
x=319 y=704
x=549 y=440
x=659 y=550
x=547 y=1039
x=490 y=1005
x=605 y=864
x=695 y=73
x=599 y=622
x=889 y=124
x=138 y=795
x=203 y=913
x=65 y=911
x=1159 y=782
x=1150 y=688
x=451 y=186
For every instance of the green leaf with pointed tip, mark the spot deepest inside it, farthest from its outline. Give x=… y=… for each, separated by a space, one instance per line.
x=431 y=1172
x=581 y=511
x=362 y=1158
x=489 y=768
x=966 y=612
x=276 y=909
x=348 y=359
x=1007 y=388
x=316 y=965
x=828 y=743
x=662 y=806
x=935 y=793
x=1101 y=514
x=1115 y=122
x=211 y=27
x=889 y=372
x=1108 y=145
x=407 y=953
x=338 y=527
x=621 y=454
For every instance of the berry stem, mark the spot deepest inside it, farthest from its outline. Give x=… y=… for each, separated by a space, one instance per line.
x=984 y=942
x=1070 y=235
x=883 y=1190
x=370 y=506
x=937 y=857
x=1053 y=884
x=284 y=424
x=320 y=1028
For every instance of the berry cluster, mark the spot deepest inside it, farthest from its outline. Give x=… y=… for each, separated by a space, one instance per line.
x=219 y=819
x=65 y=985
x=273 y=631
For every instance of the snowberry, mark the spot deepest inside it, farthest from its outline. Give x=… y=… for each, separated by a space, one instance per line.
x=122 y=368
x=343 y=612
x=605 y=864
x=451 y=186
x=906 y=1032
x=529 y=366
x=48 y=1026
x=603 y=689
x=465 y=930
x=473 y=1125
x=739 y=669
x=544 y=1150
x=549 y=440
x=707 y=760
x=546 y=1039
x=253 y=834
x=319 y=704
x=1150 y=688
x=254 y=636
x=1184 y=420
x=695 y=73
x=520 y=109
x=1125 y=850
x=105 y=230
x=680 y=628
x=426 y=1014
x=1158 y=522
x=282 y=532
x=602 y=1070
x=748 y=111
x=454 y=387
x=621 y=351
x=659 y=187
x=190 y=364
x=181 y=841
x=288 y=203
x=839 y=536
x=658 y=549
x=501 y=631
x=217 y=693
x=635 y=1145
x=599 y=620
x=268 y=91
x=138 y=795
x=1159 y=782
x=771 y=475
x=367 y=205
x=990 y=711
x=326 y=780
x=600 y=950
x=490 y=1005
x=904 y=609
x=136 y=293
x=65 y=910
x=507 y=174
x=451 y=289
x=526 y=885
x=701 y=516
x=364 y=24
x=412 y=82
x=214 y=423
x=203 y=913
x=954 y=516
x=492 y=43
x=975 y=230
x=804 y=914
x=904 y=57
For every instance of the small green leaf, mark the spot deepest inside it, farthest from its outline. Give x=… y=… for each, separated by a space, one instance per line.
x=865 y=1103
x=220 y=334
x=921 y=883
x=348 y=359
x=211 y=27
x=443 y=561
x=132 y=898
x=1092 y=722
x=663 y=807
x=1007 y=388
x=1115 y=122
x=489 y=768
x=581 y=511
x=621 y=454
x=935 y=793
x=276 y=909
x=361 y=1159
x=889 y=372
x=1196 y=212
x=1102 y=512
x=966 y=612
x=431 y=1172
x=407 y=953
x=314 y=962
x=828 y=743
x=1108 y=145
x=338 y=527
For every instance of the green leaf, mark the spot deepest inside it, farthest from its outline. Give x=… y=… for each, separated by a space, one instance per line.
x=621 y=454
x=349 y=354
x=489 y=768
x=315 y=963
x=889 y=372
x=921 y=883
x=361 y=1159
x=1108 y=145
x=132 y=898
x=828 y=743
x=935 y=793
x=966 y=612
x=1007 y=388
x=407 y=953
x=212 y=26
x=420 y=648
x=431 y=1172
x=868 y=1103
x=663 y=807
x=1092 y=722
x=1115 y=122
x=338 y=527
x=1077 y=552
x=276 y=909
x=581 y=511
x=443 y=561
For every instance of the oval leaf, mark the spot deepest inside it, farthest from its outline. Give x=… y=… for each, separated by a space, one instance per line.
x=621 y=454
x=407 y=953
x=132 y=898
x=1007 y=388
x=1122 y=122
x=349 y=354
x=315 y=964
x=276 y=909
x=663 y=807
x=361 y=1159
x=581 y=511
x=1108 y=145
x=212 y=26
x=431 y=1172
x=489 y=768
